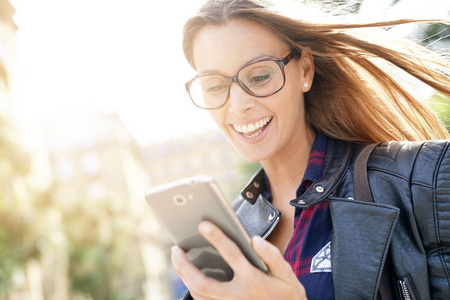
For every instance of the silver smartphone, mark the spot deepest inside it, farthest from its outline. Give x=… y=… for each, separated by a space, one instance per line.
x=181 y=205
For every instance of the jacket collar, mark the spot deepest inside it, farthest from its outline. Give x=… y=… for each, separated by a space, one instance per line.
x=336 y=162
x=254 y=187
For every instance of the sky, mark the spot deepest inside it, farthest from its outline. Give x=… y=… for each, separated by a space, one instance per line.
x=123 y=56
x=116 y=55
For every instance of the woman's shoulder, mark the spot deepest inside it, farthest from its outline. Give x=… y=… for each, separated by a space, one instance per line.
x=419 y=160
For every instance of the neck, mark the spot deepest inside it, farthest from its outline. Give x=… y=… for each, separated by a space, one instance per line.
x=285 y=172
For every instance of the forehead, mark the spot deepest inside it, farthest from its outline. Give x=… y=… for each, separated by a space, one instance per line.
x=226 y=48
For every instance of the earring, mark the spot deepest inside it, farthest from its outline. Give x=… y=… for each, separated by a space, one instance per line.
x=305 y=85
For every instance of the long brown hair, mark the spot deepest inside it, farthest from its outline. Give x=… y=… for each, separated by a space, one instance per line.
x=354 y=96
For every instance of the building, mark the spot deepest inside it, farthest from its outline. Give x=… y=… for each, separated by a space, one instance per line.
x=27 y=282
x=98 y=163
x=206 y=153
x=8 y=55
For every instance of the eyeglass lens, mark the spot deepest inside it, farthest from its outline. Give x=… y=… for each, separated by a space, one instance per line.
x=260 y=79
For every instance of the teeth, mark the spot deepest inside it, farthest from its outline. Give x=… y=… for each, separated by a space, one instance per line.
x=252 y=127
x=254 y=135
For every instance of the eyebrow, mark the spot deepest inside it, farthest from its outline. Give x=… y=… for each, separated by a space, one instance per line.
x=253 y=60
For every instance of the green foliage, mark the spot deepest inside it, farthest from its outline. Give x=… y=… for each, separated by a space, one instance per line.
x=248 y=169
x=20 y=208
x=18 y=238
x=338 y=7
x=100 y=241
x=436 y=32
x=441 y=105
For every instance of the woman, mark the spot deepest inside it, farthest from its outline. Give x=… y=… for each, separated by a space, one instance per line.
x=303 y=99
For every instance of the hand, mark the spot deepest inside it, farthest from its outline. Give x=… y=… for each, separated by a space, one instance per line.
x=248 y=282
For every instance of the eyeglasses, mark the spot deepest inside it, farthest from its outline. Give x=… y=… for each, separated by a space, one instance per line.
x=261 y=79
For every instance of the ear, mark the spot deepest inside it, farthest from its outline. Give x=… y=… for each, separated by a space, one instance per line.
x=307 y=65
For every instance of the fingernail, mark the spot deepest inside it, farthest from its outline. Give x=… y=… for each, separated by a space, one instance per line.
x=174 y=256
x=175 y=250
x=257 y=240
x=204 y=227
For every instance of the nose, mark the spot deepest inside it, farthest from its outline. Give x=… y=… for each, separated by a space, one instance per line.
x=239 y=101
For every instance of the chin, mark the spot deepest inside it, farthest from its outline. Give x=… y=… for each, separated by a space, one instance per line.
x=250 y=152
x=251 y=156
x=251 y=159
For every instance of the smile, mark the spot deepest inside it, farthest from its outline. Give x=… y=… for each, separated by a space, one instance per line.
x=253 y=129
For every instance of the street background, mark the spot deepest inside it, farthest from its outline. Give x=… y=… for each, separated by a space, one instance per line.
x=93 y=112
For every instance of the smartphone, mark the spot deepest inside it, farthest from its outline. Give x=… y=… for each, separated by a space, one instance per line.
x=181 y=205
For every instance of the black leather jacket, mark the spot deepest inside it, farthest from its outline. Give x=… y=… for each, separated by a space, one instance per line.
x=412 y=178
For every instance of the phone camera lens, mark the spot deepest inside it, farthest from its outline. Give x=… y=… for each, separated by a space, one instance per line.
x=179 y=200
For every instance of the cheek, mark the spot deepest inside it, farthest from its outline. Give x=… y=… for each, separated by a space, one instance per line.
x=294 y=79
x=290 y=108
x=218 y=116
x=293 y=100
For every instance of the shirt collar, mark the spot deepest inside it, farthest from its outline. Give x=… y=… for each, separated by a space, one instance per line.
x=258 y=184
x=315 y=161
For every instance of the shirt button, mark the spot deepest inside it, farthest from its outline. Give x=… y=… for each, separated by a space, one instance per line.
x=319 y=189
x=271 y=216
x=256 y=184
x=249 y=195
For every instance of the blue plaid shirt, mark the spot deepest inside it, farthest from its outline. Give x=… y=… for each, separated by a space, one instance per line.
x=309 y=250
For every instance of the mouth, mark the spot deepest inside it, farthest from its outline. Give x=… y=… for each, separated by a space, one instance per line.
x=252 y=130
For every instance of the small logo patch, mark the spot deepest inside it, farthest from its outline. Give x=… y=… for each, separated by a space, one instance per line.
x=321 y=262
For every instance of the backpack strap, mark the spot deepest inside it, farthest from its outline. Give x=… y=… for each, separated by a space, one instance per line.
x=361 y=180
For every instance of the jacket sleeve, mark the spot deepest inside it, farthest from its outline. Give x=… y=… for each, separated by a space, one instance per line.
x=433 y=216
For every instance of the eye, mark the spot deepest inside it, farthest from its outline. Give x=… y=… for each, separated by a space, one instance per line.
x=213 y=85
x=258 y=74
x=215 y=88
x=260 y=79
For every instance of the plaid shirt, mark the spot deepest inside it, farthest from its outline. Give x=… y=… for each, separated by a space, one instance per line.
x=308 y=251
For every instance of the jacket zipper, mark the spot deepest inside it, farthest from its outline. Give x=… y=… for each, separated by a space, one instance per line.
x=404 y=290
x=271 y=228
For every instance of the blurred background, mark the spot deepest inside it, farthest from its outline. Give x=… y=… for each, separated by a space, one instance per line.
x=93 y=112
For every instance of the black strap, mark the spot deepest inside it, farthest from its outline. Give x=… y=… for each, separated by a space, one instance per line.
x=363 y=193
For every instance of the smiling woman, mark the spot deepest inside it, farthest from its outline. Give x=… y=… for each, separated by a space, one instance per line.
x=304 y=98
x=240 y=50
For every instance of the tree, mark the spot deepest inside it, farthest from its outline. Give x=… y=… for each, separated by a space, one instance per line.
x=21 y=221
x=102 y=250
x=441 y=105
